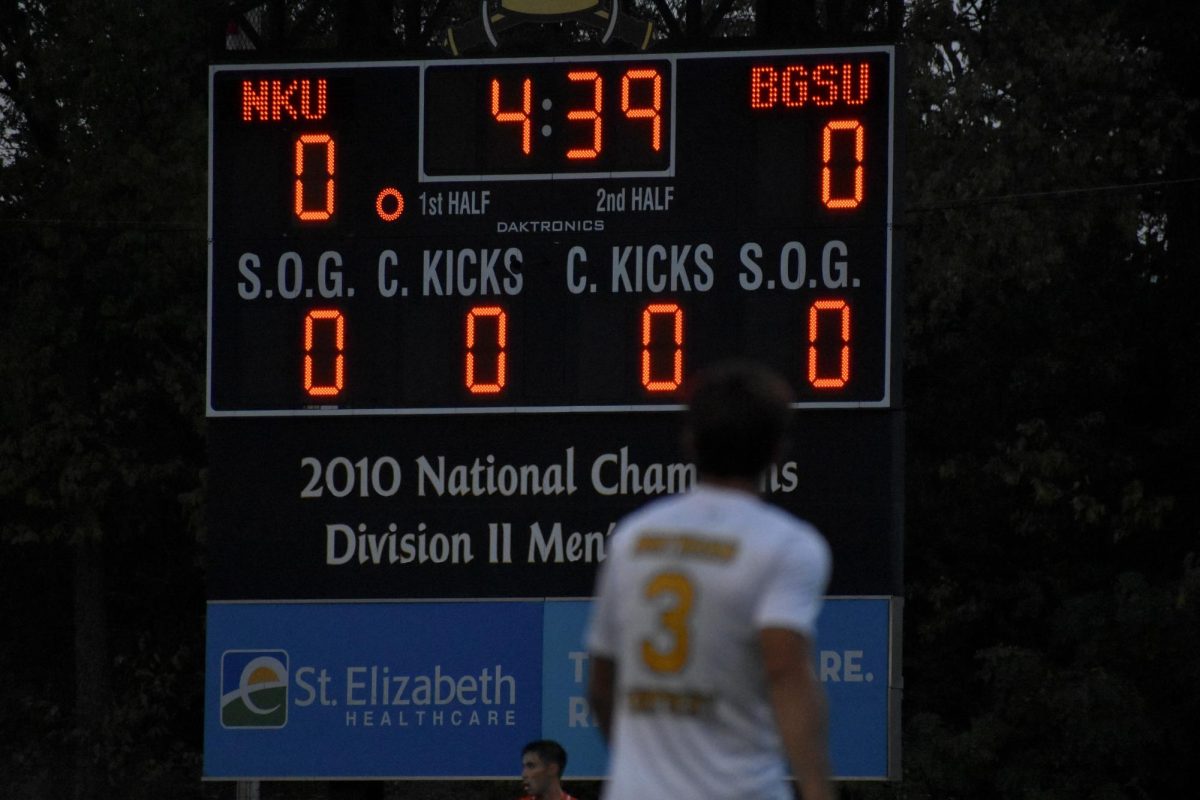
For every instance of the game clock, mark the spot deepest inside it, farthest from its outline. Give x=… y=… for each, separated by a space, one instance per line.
x=541 y=235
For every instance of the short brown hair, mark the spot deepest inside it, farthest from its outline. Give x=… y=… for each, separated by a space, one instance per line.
x=739 y=413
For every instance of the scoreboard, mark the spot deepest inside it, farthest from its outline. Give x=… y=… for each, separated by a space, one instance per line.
x=557 y=235
x=450 y=300
x=454 y=307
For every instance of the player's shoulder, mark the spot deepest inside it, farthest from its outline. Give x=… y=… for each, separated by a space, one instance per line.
x=784 y=530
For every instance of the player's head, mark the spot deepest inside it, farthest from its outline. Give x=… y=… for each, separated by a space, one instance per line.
x=738 y=416
x=542 y=765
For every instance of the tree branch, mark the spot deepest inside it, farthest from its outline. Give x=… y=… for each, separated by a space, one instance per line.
x=669 y=19
x=717 y=15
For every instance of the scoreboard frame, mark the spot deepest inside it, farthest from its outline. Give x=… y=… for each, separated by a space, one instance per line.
x=347 y=532
x=760 y=263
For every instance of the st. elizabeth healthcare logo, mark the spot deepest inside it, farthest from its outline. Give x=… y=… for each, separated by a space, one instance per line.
x=254 y=687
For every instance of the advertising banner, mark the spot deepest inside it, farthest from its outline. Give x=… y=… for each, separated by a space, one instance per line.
x=456 y=689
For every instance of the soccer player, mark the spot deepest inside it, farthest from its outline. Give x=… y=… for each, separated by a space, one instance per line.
x=542 y=765
x=702 y=628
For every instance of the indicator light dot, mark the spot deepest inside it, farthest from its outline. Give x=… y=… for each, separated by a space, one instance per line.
x=389 y=204
x=547 y=104
x=546 y=129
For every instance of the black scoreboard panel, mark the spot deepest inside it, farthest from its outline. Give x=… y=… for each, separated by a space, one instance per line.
x=454 y=306
x=555 y=235
x=472 y=506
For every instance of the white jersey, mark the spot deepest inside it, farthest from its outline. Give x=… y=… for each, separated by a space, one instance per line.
x=689 y=582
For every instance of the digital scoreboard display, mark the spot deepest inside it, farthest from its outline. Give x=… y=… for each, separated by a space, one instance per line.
x=570 y=234
x=454 y=307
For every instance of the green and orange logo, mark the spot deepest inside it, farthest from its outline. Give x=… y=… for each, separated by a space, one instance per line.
x=254 y=688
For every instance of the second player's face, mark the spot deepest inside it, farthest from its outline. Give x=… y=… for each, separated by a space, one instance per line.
x=535 y=774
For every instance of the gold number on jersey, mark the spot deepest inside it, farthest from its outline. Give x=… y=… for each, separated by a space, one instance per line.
x=674 y=621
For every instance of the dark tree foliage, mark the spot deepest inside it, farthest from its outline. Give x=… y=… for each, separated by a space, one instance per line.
x=1053 y=617
x=101 y=352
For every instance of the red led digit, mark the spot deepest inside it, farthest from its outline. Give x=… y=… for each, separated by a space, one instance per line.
x=256 y=101
x=855 y=127
x=764 y=87
x=675 y=377
x=305 y=141
x=474 y=385
x=654 y=112
x=592 y=114
x=521 y=117
x=815 y=312
x=864 y=82
x=824 y=76
x=795 y=87
x=330 y=317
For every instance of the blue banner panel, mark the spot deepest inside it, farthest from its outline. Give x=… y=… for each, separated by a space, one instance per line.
x=853 y=654
x=565 y=715
x=371 y=689
x=455 y=689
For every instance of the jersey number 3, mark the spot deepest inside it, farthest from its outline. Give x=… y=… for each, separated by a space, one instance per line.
x=673 y=622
